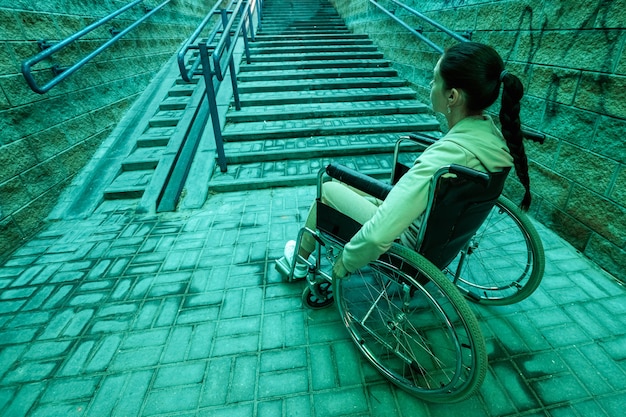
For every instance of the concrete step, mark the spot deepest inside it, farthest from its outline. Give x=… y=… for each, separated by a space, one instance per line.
x=321 y=110
x=328 y=126
x=310 y=147
x=325 y=19
x=181 y=90
x=297 y=172
x=301 y=9
x=312 y=27
x=150 y=142
x=164 y=118
x=138 y=167
x=328 y=31
x=311 y=65
x=320 y=84
x=322 y=73
x=315 y=56
x=300 y=15
x=260 y=45
x=193 y=80
x=312 y=49
x=174 y=103
x=129 y=185
x=298 y=11
x=308 y=37
x=329 y=19
x=155 y=136
x=327 y=96
x=143 y=158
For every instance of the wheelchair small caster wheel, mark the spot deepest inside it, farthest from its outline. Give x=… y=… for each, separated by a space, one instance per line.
x=321 y=297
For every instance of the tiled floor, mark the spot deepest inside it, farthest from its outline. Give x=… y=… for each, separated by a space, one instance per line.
x=183 y=314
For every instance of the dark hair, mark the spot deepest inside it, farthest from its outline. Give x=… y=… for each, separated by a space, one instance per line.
x=478 y=70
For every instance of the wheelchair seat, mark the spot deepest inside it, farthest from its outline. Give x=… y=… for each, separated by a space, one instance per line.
x=456 y=208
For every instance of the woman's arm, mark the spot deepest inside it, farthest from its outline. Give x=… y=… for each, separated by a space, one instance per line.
x=404 y=204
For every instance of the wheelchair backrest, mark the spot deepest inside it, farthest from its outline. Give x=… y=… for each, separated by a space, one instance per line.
x=456 y=209
x=459 y=207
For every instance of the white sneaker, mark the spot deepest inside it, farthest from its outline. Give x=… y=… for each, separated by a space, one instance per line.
x=301 y=270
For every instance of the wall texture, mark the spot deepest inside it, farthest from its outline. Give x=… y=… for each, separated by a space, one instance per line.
x=46 y=139
x=571 y=56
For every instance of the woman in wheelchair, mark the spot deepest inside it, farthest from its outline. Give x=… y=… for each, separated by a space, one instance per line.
x=467 y=79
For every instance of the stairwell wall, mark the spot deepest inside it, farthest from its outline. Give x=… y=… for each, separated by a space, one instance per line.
x=571 y=57
x=46 y=139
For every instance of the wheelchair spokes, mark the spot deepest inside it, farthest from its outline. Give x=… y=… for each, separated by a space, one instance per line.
x=408 y=317
x=422 y=336
x=503 y=262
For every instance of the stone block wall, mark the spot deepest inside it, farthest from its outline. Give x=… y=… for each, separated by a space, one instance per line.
x=46 y=139
x=571 y=57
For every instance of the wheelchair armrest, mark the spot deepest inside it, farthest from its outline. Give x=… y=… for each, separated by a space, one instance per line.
x=362 y=182
x=421 y=138
x=469 y=174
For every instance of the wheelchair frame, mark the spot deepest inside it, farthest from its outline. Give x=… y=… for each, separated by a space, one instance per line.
x=424 y=337
x=402 y=312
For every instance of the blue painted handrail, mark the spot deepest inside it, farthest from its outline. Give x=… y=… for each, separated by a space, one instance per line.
x=220 y=26
x=422 y=17
x=61 y=75
x=191 y=44
x=218 y=59
x=528 y=133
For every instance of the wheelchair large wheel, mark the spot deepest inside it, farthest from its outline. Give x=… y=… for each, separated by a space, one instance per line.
x=505 y=260
x=414 y=326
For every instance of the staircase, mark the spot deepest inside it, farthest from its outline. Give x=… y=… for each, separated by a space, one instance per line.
x=138 y=167
x=313 y=93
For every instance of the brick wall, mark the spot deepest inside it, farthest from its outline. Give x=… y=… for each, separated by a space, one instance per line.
x=46 y=139
x=571 y=56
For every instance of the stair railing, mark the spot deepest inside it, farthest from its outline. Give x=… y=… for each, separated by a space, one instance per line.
x=222 y=60
x=217 y=58
x=189 y=65
x=191 y=44
x=528 y=134
x=417 y=32
x=50 y=48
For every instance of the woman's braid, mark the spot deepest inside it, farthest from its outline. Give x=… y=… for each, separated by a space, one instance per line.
x=512 y=93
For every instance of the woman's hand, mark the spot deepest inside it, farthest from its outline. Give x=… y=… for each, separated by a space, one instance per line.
x=339 y=271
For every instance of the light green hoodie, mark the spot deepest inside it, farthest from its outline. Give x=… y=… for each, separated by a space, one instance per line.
x=473 y=142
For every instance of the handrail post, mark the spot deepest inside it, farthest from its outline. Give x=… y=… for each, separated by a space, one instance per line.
x=188 y=45
x=231 y=61
x=244 y=31
x=215 y=118
x=259 y=11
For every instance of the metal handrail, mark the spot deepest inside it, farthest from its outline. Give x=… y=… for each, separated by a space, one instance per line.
x=224 y=52
x=530 y=134
x=206 y=105
x=422 y=17
x=190 y=43
x=225 y=41
x=62 y=74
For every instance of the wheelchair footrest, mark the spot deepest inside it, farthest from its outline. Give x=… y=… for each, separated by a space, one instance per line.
x=283 y=267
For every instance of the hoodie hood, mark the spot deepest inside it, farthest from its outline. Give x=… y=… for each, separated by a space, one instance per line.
x=483 y=139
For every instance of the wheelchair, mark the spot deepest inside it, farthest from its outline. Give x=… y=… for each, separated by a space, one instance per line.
x=407 y=311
